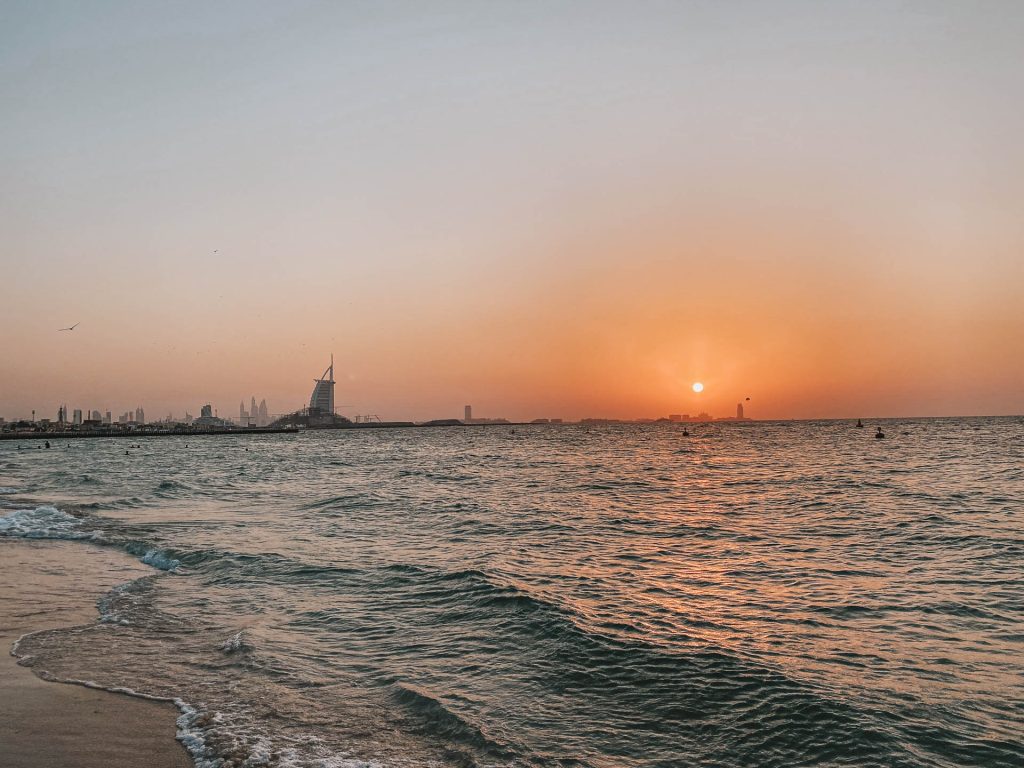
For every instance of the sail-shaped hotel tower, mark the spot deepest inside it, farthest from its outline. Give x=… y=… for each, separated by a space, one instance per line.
x=322 y=399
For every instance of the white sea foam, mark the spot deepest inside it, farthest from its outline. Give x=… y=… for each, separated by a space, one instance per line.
x=160 y=559
x=43 y=523
x=235 y=643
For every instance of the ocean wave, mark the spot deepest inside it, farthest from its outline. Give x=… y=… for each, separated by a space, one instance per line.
x=235 y=644
x=161 y=560
x=44 y=522
x=440 y=721
x=171 y=488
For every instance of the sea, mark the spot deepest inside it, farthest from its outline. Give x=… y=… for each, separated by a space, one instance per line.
x=561 y=596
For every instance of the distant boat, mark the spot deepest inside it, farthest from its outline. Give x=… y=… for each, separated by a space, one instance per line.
x=859 y=425
x=879 y=434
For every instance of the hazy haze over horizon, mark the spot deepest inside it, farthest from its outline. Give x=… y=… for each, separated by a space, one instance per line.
x=541 y=209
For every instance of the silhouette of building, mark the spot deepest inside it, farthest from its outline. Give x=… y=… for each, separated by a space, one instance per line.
x=256 y=416
x=322 y=399
x=208 y=418
x=469 y=414
x=106 y=418
x=140 y=415
x=739 y=410
x=77 y=416
x=96 y=416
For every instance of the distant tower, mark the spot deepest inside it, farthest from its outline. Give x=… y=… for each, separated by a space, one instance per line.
x=253 y=412
x=739 y=410
x=241 y=413
x=106 y=418
x=469 y=414
x=322 y=398
x=140 y=415
x=264 y=417
x=77 y=415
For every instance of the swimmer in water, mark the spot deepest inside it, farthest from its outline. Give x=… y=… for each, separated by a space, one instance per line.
x=879 y=434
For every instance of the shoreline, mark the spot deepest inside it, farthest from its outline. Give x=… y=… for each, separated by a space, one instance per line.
x=50 y=584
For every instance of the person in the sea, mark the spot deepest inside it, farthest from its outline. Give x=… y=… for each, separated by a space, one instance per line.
x=879 y=434
x=47 y=443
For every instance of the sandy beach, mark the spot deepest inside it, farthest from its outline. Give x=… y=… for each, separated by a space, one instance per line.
x=50 y=584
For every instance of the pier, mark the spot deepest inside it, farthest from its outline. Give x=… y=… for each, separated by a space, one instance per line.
x=176 y=432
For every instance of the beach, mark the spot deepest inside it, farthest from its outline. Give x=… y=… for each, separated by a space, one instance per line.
x=46 y=585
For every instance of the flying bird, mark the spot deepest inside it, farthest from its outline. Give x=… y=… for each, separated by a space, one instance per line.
x=71 y=328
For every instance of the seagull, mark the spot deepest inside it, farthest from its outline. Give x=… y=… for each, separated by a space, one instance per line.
x=71 y=328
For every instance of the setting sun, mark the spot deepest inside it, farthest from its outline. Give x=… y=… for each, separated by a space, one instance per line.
x=698 y=387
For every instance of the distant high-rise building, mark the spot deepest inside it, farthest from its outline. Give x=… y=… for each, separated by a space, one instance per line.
x=243 y=417
x=96 y=416
x=206 y=412
x=254 y=410
x=322 y=399
x=739 y=410
x=263 y=418
x=140 y=415
x=62 y=414
x=77 y=416
x=469 y=414
x=106 y=418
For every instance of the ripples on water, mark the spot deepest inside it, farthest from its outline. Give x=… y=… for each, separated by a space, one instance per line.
x=759 y=594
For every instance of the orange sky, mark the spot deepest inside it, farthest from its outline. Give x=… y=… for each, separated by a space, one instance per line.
x=563 y=215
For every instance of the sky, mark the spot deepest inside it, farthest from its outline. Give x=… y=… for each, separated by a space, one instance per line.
x=543 y=209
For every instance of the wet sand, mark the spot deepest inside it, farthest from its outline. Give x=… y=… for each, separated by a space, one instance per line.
x=50 y=584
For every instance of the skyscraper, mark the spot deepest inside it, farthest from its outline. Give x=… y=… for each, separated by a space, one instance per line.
x=322 y=399
x=77 y=416
x=469 y=414
x=264 y=417
x=739 y=410
x=140 y=415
